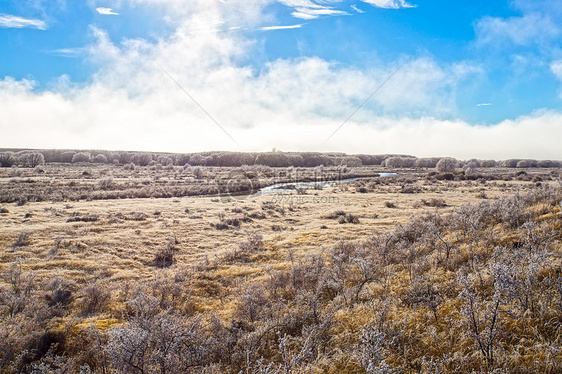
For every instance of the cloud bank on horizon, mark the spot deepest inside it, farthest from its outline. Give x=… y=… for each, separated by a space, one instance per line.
x=286 y=74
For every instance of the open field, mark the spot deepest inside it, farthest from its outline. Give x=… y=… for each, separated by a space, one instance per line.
x=406 y=273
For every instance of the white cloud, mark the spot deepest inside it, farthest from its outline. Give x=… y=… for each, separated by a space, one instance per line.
x=529 y=29
x=484 y=104
x=11 y=21
x=291 y=104
x=311 y=9
x=556 y=68
x=69 y=52
x=356 y=9
x=534 y=136
x=313 y=4
x=309 y=13
x=106 y=11
x=272 y=28
x=550 y=7
x=390 y=4
x=164 y=120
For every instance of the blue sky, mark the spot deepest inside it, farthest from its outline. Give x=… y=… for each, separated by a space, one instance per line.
x=471 y=79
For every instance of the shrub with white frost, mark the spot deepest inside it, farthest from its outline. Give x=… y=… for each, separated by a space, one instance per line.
x=447 y=165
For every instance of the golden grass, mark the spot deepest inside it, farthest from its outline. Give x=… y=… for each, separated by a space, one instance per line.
x=125 y=249
x=119 y=250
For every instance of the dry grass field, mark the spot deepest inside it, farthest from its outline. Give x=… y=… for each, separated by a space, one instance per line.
x=406 y=273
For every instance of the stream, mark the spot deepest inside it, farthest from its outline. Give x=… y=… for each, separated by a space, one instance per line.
x=287 y=188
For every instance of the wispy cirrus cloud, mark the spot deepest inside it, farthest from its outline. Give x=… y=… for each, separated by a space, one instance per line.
x=69 y=52
x=355 y=8
x=106 y=11
x=273 y=28
x=390 y=4
x=312 y=9
x=15 y=22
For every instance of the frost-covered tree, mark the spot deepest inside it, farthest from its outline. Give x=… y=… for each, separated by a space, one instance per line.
x=447 y=165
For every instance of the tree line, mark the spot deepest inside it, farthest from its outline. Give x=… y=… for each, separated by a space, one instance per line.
x=34 y=158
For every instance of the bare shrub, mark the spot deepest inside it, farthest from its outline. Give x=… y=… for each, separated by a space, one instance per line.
x=18 y=296
x=23 y=240
x=256 y=168
x=22 y=201
x=423 y=294
x=373 y=350
x=165 y=342
x=511 y=163
x=7 y=159
x=389 y=204
x=481 y=319
x=32 y=159
x=197 y=172
x=174 y=292
x=524 y=164
x=400 y=162
x=129 y=166
x=196 y=160
x=511 y=211
x=106 y=183
x=411 y=189
x=141 y=159
x=547 y=164
x=254 y=242
x=94 y=299
x=432 y=202
x=39 y=170
x=165 y=160
x=334 y=215
x=472 y=164
x=257 y=215
x=14 y=171
x=362 y=190
x=488 y=163
x=295 y=361
x=81 y=157
x=52 y=363
x=227 y=223
x=66 y=157
x=77 y=217
x=164 y=257
x=252 y=304
x=446 y=176
x=348 y=218
x=60 y=292
x=271 y=208
x=426 y=163
x=100 y=159
x=446 y=165
x=351 y=161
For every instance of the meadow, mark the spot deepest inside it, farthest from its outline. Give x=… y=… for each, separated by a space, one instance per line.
x=156 y=265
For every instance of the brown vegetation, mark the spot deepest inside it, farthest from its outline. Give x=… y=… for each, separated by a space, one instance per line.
x=461 y=275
